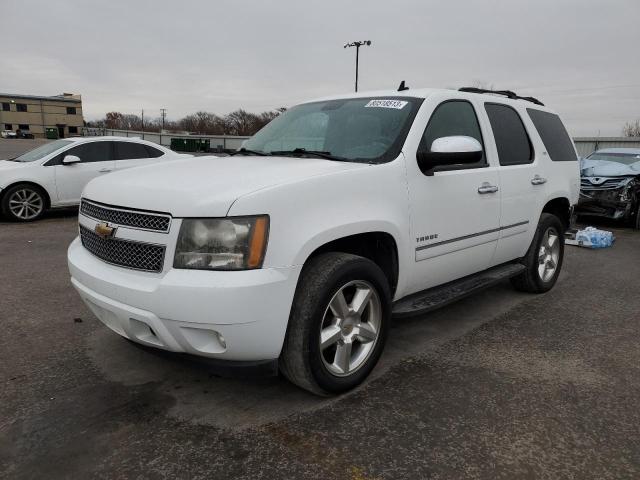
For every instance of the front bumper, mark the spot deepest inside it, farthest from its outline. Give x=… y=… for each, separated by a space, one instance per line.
x=240 y=316
x=603 y=203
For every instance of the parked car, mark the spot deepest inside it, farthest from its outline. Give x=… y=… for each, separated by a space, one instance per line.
x=610 y=185
x=24 y=134
x=339 y=213
x=8 y=134
x=54 y=174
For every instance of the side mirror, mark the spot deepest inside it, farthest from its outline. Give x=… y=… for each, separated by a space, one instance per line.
x=447 y=151
x=70 y=159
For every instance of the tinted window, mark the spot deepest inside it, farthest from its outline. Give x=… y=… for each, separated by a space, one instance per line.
x=21 y=107
x=8 y=126
x=130 y=151
x=6 y=107
x=514 y=146
x=153 y=152
x=450 y=118
x=23 y=126
x=92 y=152
x=554 y=136
x=71 y=110
x=73 y=129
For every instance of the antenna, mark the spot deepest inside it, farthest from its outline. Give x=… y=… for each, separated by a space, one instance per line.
x=402 y=87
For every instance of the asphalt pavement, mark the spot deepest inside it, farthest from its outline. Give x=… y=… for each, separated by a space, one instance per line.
x=499 y=385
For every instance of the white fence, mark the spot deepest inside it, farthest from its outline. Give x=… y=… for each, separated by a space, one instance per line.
x=584 y=145
x=217 y=142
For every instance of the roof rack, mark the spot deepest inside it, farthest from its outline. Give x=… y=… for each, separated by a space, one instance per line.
x=506 y=93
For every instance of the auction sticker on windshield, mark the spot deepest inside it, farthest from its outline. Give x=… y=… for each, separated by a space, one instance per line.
x=397 y=104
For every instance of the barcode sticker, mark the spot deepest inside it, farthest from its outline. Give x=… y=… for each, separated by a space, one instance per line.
x=397 y=104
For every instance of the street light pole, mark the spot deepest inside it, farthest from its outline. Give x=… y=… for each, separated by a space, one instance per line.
x=357 y=44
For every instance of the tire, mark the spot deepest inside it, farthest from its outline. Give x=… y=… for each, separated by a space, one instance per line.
x=636 y=222
x=539 y=276
x=351 y=340
x=24 y=203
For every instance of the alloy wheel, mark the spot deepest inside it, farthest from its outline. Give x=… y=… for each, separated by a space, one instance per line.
x=350 y=328
x=549 y=254
x=26 y=204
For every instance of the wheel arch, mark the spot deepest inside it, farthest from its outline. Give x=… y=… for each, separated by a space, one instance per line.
x=561 y=208
x=380 y=247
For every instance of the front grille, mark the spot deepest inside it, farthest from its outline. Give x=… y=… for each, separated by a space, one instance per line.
x=124 y=253
x=146 y=221
x=607 y=184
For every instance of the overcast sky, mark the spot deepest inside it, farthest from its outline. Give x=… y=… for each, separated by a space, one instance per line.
x=578 y=56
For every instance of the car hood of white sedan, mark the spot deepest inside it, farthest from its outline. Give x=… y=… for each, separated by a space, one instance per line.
x=6 y=165
x=205 y=186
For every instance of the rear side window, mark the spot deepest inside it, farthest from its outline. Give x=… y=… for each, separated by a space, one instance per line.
x=153 y=152
x=553 y=134
x=130 y=151
x=512 y=141
x=453 y=117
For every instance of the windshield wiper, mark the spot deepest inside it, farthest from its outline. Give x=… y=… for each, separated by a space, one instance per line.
x=248 y=152
x=304 y=151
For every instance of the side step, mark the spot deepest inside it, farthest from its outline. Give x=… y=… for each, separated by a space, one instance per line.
x=437 y=297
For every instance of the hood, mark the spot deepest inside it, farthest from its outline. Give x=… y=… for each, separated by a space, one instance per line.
x=605 y=168
x=204 y=186
x=8 y=165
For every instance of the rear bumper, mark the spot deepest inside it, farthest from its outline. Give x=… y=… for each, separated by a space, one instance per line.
x=240 y=316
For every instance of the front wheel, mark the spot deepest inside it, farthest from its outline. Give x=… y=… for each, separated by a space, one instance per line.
x=23 y=203
x=338 y=324
x=543 y=261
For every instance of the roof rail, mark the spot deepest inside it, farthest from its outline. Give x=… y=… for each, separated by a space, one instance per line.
x=506 y=93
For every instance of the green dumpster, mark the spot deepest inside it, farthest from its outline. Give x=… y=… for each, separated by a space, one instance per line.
x=51 y=133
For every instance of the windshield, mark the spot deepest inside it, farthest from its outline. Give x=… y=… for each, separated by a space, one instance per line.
x=42 y=151
x=623 y=158
x=356 y=129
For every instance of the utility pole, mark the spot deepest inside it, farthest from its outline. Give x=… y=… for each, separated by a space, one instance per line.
x=143 y=123
x=163 y=114
x=357 y=44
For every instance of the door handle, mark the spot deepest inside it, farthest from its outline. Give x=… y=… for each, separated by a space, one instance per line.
x=104 y=170
x=486 y=187
x=538 y=180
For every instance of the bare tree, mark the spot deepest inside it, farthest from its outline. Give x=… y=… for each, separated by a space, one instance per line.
x=631 y=129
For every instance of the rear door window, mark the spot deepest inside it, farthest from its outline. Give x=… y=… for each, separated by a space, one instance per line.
x=553 y=134
x=512 y=141
x=130 y=151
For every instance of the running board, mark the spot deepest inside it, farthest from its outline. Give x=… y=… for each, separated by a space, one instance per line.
x=437 y=297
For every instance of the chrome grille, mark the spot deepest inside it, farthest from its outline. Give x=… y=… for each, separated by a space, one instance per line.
x=143 y=220
x=124 y=253
x=606 y=184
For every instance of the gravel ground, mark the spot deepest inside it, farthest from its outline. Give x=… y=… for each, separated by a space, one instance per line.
x=499 y=385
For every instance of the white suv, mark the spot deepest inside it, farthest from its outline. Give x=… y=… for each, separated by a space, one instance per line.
x=337 y=215
x=54 y=174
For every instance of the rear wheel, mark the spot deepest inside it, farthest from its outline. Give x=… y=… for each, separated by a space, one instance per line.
x=23 y=203
x=338 y=324
x=543 y=261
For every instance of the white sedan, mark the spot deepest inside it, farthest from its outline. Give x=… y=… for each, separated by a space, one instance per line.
x=54 y=175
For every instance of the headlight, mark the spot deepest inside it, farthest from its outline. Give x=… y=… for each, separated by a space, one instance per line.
x=233 y=243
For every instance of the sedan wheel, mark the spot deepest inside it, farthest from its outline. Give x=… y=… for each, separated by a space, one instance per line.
x=25 y=204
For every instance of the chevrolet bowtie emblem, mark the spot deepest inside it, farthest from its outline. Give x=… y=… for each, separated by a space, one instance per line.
x=104 y=230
